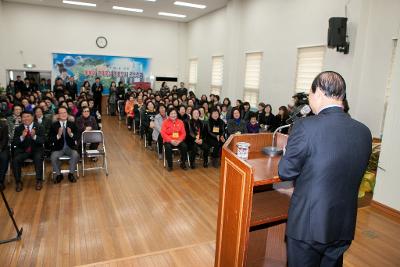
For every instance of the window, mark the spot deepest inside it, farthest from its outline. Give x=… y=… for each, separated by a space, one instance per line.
x=192 y=74
x=217 y=75
x=252 y=78
x=309 y=65
x=389 y=81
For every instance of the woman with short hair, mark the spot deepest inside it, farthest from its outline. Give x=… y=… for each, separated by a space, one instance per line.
x=215 y=136
x=236 y=124
x=173 y=134
x=195 y=139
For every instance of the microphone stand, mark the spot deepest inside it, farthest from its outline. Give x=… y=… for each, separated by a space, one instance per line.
x=273 y=150
x=11 y=214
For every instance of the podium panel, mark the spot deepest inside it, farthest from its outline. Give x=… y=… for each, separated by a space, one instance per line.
x=252 y=214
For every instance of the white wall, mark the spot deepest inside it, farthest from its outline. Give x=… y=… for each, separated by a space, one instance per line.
x=387 y=182
x=207 y=45
x=41 y=31
x=383 y=25
x=278 y=28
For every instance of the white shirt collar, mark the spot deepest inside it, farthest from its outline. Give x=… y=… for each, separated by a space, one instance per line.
x=29 y=127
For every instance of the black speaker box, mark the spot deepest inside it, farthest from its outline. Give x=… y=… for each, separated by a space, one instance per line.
x=337 y=32
x=166 y=79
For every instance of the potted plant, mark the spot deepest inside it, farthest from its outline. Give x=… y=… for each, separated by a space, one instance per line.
x=2 y=90
x=368 y=181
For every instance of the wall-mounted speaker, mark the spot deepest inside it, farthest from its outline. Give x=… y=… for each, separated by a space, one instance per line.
x=337 y=34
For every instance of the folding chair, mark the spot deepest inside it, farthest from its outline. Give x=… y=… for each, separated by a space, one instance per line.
x=27 y=161
x=91 y=137
x=174 y=150
x=63 y=171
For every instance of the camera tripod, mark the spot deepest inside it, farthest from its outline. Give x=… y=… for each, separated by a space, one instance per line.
x=11 y=214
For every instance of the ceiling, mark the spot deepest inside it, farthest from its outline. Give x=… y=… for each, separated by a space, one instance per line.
x=150 y=9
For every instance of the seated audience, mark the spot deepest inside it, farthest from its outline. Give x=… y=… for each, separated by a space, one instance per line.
x=86 y=122
x=63 y=137
x=94 y=112
x=148 y=123
x=261 y=114
x=203 y=116
x=129 y=111
x=173 y=134
x=281 y=118
x=182 y=113
x=28 y=143
x=215 y=136
x=189 y=111
x=224 y=113
x=43 y=120
x=72 y=107
x=137 y=110
x=269 y=120
x=245 y=114
x=195 y=139
x=14 y=120
x=26 y=105
x=227 y=103
x=253 y=126
x=236 y=125
x=11 y=88
x=158 y=121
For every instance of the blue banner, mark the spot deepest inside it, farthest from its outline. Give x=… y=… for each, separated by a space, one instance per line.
x=130 y=70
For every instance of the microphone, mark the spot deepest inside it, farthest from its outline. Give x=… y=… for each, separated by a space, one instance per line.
x=299 y=113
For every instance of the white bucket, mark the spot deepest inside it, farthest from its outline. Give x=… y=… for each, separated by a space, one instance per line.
x=243 y=149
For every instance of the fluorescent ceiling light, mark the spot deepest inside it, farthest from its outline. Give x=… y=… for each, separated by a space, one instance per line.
x=128 y=9
x=171 y=15
x=78 y=3
x=179 y=3
x=150 y=0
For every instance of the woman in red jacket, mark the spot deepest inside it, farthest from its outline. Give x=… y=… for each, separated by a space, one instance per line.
x=173 y=134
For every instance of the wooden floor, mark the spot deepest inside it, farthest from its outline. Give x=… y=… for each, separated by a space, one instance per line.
x=142 y=215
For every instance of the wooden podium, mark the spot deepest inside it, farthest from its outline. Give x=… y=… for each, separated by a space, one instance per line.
x=252 y=214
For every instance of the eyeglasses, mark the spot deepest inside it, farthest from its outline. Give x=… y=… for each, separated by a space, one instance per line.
x=86 y=111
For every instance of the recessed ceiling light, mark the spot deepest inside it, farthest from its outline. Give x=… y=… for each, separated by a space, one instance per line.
x=150 y=0
x=77 y=3
x=128 y=9
x=179 y=3
x=171 y=15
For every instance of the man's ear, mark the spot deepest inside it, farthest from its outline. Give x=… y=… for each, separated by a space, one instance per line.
x=319 y=92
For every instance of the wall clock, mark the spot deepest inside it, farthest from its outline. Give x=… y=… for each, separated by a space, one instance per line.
x=101 y=42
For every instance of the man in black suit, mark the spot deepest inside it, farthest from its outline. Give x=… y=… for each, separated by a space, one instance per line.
x=182 y=90
x=72 y=88
x=58 y=88
x=28 y=144
x=326 y=157
x=4 y=151
x=97 y=90
x=27 y=87
x=63 y=137
x=19 y=83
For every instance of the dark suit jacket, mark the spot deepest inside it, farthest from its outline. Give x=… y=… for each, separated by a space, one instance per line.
x=58 y=144
x=326 y=156
x=36 y=145
x=97 y=93
x=3 y=135
x=72 y=89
